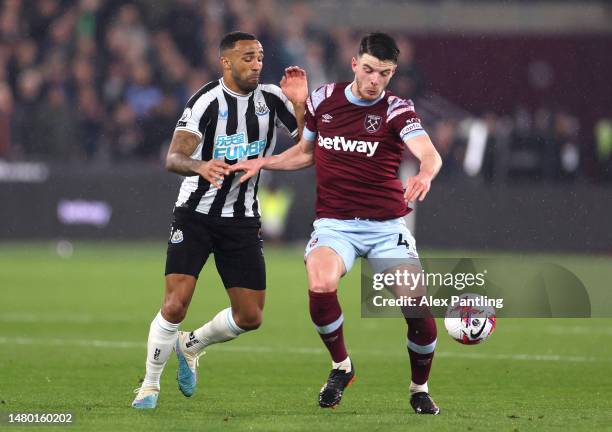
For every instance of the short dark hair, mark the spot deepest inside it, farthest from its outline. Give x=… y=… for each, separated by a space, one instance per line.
x=229 y=40
x=380 y=45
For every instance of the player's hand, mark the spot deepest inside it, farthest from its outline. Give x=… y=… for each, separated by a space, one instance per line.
x=417 y=187
x=294 y=84
x=250 y=167
x=214 y=171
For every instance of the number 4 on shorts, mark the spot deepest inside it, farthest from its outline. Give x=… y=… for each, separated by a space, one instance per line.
x=402 y=242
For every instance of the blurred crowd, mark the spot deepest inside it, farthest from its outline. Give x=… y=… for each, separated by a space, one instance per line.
x=544 y=145
x=97 y=81
x=103 y=81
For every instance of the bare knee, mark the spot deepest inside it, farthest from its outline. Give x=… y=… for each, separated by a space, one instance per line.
x=249 y=319
x=179 y=289
x=174 y=310
x=325 y=268
x=323 y=285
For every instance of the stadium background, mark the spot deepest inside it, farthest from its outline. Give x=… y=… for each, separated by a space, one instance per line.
x=516 y=96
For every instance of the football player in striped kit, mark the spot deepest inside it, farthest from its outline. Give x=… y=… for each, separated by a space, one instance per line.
x=228 y=120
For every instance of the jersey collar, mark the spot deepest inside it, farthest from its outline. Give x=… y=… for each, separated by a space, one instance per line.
x=356 y=101
x=233 y=93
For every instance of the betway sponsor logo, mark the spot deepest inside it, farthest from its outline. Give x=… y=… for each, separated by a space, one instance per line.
x=343 y=144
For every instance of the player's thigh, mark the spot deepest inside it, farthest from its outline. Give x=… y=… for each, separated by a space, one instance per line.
x=189 y=246
x=238 y=250
x=325 y=267
x=335 y=242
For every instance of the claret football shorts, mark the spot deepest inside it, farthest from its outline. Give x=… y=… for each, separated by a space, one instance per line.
x=352 y=238
x=236 y=244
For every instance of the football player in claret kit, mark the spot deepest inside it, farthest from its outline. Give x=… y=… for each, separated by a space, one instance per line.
x=230 y=119
x=355 y=135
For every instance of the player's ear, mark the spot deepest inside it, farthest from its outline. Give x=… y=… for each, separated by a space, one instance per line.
x=225 y=63
x=354 y=64
x=393 y=71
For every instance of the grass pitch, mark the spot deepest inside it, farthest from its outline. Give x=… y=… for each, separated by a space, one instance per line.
x=73 y=333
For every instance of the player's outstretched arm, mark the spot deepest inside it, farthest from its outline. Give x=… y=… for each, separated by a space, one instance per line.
x=294 y=85
x=294 y=158
x=178 y=159
x=431 y=162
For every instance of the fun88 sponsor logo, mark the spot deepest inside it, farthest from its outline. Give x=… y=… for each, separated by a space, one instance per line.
x=235 y=146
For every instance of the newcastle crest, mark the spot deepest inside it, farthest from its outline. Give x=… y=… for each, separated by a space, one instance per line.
x=372 y=123
x=177 y=237
x=261 y=108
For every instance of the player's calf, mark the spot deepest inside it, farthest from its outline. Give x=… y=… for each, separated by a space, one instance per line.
x=162 y=337
x=422 y=338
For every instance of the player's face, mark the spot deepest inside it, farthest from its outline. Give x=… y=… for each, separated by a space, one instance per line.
x=244 y=63
x=372 y=75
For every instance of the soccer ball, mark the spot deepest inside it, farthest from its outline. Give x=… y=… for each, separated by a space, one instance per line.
x=469 y=323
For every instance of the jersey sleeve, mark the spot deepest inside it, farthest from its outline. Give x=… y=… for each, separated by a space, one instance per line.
x=313 y=102
x=285 y=114
x=403 y=119
x=310 y=122
x=194 y=113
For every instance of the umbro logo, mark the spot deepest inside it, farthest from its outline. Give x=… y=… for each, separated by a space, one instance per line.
x=327 y=118
x=223 y=114
x=156 y=354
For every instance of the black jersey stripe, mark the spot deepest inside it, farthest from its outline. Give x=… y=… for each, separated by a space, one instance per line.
x=252 y=125
x=204 y=89
x=230 y=129
x=269 y=98
x=208 y=123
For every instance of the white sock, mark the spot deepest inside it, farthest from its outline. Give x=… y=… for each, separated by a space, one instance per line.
x=162 y=337
x=345 y=365
x=221 y=328
x=417 y=388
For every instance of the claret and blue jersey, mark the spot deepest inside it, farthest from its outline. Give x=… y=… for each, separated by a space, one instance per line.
x=358 y=150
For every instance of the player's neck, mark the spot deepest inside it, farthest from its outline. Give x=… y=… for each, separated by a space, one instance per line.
x=229 y=83
x=352 y=94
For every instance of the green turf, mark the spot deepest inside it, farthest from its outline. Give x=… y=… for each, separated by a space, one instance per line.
x=72 y=334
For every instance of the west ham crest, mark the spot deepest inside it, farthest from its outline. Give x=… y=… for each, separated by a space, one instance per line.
x=372 y=123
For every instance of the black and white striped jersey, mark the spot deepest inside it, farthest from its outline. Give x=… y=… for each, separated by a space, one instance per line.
x=232 y=127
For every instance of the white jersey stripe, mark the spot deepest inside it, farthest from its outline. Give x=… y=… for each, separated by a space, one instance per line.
x=267 y=102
